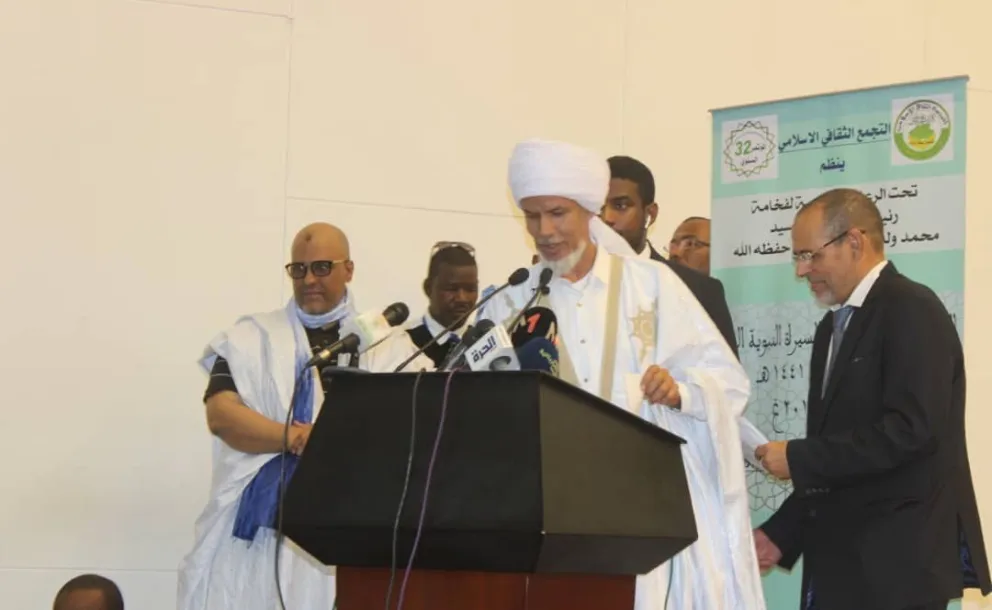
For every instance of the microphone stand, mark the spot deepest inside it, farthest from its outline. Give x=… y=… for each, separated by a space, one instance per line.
x=471 y=335
x=456 y=324
x=542 y=289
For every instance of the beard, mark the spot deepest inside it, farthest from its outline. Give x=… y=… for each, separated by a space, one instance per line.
x=565 y=264
x=826 y=300
x=825 y=297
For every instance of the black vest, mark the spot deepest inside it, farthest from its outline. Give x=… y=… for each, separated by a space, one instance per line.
x=421 y=337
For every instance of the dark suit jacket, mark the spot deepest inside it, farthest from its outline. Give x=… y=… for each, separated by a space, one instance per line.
x=709 y=292
x=883 y=509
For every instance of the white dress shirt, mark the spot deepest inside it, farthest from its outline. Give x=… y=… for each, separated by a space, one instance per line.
x=857 y=299
x=581 y=308
x=435 y=328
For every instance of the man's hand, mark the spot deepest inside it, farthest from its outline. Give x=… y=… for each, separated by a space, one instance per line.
x=659 y=387
x=768 y=552
x=299 y=434
x=773 y=457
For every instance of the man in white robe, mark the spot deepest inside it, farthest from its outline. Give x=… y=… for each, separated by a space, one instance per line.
x=254 y=366
x=663 y=357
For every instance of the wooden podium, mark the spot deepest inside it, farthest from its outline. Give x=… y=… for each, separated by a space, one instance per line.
x=540 y=496
x=366 y=588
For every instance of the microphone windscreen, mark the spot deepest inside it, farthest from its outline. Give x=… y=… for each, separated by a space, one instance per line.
x=473 y=333
x=368 y=328
x=396 y=314
x=456 y=357
x=539 y=355
x=535 y=322
x=518 y=277
x=546 y=275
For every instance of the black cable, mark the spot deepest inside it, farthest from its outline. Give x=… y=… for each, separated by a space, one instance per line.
x=282 y=478
x=427 y=486
x=406 y=487
x=671 y=575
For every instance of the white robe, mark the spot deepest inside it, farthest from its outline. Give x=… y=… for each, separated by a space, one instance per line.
x=226 y=573
x=662 y=323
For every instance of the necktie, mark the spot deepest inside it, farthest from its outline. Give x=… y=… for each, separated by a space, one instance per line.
x=840 y=324
x=809 y=605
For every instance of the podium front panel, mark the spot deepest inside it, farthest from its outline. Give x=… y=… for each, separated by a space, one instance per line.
x=530 y=475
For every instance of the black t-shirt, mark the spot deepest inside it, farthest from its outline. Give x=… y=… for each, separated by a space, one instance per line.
x=220 y=375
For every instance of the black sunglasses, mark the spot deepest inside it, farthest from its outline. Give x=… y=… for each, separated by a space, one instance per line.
x=298 y=271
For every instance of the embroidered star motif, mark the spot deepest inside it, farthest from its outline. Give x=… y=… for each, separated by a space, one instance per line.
x=644 y=328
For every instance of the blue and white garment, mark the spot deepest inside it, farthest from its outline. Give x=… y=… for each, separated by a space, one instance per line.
x=232 y=561
x=488 y=290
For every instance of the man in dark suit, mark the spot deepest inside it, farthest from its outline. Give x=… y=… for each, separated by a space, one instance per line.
x=883 y=509
x=690 y=244
x=630 y=210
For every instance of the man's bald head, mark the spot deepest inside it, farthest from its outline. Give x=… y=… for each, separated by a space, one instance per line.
x=322 y=255
x=323 y=233
x=89 y=592
x=844 y=209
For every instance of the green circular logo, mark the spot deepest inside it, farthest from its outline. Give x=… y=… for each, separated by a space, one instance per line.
x=922 y=130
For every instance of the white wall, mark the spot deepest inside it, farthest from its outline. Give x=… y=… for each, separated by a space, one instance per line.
x=155 y=157
x=142 y=173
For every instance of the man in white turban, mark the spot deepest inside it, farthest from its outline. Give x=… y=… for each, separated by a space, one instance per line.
x=663 y=357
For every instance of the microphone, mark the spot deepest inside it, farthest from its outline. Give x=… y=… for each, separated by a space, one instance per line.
x=533 y=323
x=492 y=352
x=536 y=322
x=362 y=332
x=539 y=354
x=495 y=352
x=542 y=287
x=455 y=358
x=516 y=278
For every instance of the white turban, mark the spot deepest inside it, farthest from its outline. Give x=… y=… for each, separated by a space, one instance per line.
x=547 y=168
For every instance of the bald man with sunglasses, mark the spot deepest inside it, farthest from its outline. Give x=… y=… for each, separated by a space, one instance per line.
x=253 y=368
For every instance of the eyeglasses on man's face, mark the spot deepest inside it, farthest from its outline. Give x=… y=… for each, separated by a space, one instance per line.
x=298 y=271
x=809 y=256
x=688 y=242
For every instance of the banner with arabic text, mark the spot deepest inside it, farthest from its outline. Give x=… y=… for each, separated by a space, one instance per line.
x=904 y=146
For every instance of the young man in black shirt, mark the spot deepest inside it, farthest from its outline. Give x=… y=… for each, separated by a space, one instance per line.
x=452 y=287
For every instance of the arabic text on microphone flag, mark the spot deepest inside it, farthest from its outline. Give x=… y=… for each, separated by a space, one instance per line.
x=904 y=146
